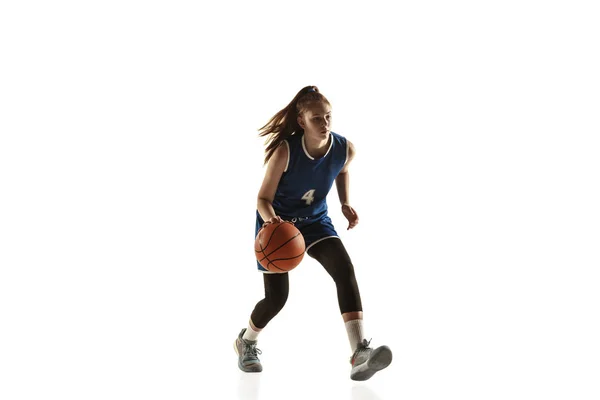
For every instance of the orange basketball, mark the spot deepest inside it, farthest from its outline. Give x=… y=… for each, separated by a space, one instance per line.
x=279 y=247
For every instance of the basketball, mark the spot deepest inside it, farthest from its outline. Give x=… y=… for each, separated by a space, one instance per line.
x=279 y=247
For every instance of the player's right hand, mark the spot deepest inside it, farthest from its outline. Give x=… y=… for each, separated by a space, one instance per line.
x=273 y=220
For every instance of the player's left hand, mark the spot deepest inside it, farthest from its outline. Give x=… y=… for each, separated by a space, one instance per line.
x=350 y=215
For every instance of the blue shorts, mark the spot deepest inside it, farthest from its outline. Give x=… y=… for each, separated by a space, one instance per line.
x=314 y=229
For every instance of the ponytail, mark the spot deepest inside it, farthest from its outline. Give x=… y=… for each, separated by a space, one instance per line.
x=285 y=123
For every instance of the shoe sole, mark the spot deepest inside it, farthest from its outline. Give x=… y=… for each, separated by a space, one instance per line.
x=235 y=347
x=380 y=358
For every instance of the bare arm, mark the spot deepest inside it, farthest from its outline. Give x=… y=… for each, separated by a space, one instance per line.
x=342 y=181
x=266 y=194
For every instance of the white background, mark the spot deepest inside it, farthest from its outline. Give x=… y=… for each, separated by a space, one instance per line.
x=130 y=164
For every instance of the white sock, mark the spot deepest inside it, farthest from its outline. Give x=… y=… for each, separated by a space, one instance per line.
x=250 y=333
x=355 y=333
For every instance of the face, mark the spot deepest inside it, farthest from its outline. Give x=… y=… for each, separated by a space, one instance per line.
x=316 y=120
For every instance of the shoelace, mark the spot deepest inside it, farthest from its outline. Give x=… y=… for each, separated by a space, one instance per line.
x=251 y=350
x=362 y=347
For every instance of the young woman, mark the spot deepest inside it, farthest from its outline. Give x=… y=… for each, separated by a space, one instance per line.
x=304 y=157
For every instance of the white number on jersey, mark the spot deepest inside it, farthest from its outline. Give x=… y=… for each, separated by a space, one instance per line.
x=308 y=196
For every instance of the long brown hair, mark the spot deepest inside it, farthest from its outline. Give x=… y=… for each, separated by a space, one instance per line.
x=285 y=123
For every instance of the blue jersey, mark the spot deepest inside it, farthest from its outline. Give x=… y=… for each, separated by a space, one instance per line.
x=305 y=183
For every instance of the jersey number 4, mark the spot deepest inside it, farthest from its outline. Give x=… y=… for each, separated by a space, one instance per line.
x=309 y=196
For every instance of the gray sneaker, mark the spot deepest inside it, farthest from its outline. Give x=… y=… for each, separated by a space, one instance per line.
x=366 y=361
x=247 y=354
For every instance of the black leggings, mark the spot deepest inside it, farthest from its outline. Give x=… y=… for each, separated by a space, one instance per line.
x=332 y=254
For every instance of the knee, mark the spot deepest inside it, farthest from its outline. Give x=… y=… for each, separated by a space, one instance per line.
x=344 y=273
x=276 y=301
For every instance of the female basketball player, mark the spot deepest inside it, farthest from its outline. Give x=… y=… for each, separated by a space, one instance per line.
x=304 y=157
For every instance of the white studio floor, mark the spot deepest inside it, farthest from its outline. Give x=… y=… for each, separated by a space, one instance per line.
x=166 y=331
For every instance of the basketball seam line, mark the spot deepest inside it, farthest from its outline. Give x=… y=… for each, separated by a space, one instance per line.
x=271 y=237
x=283 y=244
